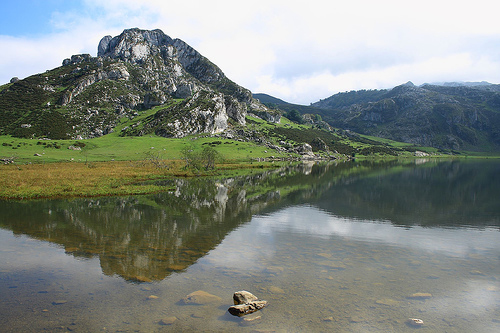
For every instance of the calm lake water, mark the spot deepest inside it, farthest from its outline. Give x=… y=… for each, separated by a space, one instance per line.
x=353 y=247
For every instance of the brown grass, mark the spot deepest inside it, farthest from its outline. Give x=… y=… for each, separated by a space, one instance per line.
x=80 y=179
x=73 y=179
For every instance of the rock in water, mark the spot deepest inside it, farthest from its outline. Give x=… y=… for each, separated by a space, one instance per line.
x=245 y=303
x=168 y=320
x=415 y=322
x=420 y=296
x=247 y=308
x=200 y=297
x=242 y=297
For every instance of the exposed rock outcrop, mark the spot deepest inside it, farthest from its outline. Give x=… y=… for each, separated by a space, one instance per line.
x=456 y=117
x=134 y=71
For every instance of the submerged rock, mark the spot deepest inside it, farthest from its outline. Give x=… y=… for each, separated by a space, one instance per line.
x=274 y=270
x=420 y=296
x=415 y=322
x=275 y=290
x=168 y=320
x=200 y=297
x=245 y=303
x=250 y=320
x=387 y=301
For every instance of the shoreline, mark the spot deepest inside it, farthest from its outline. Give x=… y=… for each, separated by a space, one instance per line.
x=59 y=180
x=63 y=180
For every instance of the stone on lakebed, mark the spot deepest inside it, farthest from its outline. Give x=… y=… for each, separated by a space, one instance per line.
x=201 y=297
x=245 y=303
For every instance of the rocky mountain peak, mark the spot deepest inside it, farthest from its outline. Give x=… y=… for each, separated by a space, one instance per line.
x=141 y=46
x=405 y=89
x=134 y=71
x=134 y=45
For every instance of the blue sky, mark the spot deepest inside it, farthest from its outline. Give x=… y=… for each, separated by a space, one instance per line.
x=295 y=50
x=34 y=18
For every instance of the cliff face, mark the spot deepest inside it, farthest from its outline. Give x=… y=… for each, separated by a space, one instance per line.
x=136 y=70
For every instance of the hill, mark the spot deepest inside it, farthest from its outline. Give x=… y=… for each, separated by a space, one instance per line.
x=448 y=116
x=268 y=99
x=139 y=69
x=143 y=83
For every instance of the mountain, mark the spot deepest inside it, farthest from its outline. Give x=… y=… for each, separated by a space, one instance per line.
x=137 y=70
x=448 y=116
x=459 y=84
x=268 y=99
x=275 y=103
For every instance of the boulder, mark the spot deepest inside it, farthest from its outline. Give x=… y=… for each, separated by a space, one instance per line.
x=245 y=303
x=242 y=297
x=247 y=308
x=305 y=148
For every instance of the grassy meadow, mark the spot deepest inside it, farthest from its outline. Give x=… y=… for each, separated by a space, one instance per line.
x=110 y=165
x=113 y=165
x=91 y=179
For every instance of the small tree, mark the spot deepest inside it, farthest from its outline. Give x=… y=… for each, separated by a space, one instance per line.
x=155 y=159
x=205 y=159
x=189 y=156
x=209 y=156
x=294 y=116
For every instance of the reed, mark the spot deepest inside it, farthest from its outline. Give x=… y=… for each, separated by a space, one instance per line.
x=79 y=179
x=53 y=180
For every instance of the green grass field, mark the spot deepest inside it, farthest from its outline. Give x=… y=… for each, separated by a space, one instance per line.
x=112 y=147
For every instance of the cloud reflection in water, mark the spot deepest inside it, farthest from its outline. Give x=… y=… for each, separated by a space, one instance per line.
x=311 y=221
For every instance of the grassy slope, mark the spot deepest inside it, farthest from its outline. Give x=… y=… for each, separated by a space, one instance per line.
x=113 y=147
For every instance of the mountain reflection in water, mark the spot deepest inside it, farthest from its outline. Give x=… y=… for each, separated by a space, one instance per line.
x=146 y=238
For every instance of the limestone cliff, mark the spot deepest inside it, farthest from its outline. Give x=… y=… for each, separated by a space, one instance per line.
x=134 y=71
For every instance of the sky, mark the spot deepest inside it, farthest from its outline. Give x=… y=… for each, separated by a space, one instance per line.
x=299 y=51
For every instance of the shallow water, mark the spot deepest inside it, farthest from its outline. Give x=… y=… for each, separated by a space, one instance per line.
x=340 y=248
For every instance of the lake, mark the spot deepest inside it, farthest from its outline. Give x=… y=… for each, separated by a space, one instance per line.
x=348 y=247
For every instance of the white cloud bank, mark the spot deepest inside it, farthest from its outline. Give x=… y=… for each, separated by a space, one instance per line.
x=298 y=51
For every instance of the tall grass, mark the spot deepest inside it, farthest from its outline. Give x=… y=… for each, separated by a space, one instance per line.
x=79 y=179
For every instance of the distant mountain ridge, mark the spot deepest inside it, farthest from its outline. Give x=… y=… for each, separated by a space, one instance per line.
x=447 y=115
x=459 y=84
x=268 y=99
x=451 y=116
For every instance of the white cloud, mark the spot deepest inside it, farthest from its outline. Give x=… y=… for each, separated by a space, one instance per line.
x=22 y=57
x=298 y=51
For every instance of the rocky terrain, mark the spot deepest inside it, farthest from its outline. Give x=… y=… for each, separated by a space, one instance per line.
x=449 y=116
x=139 y=69
x=162 y=86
